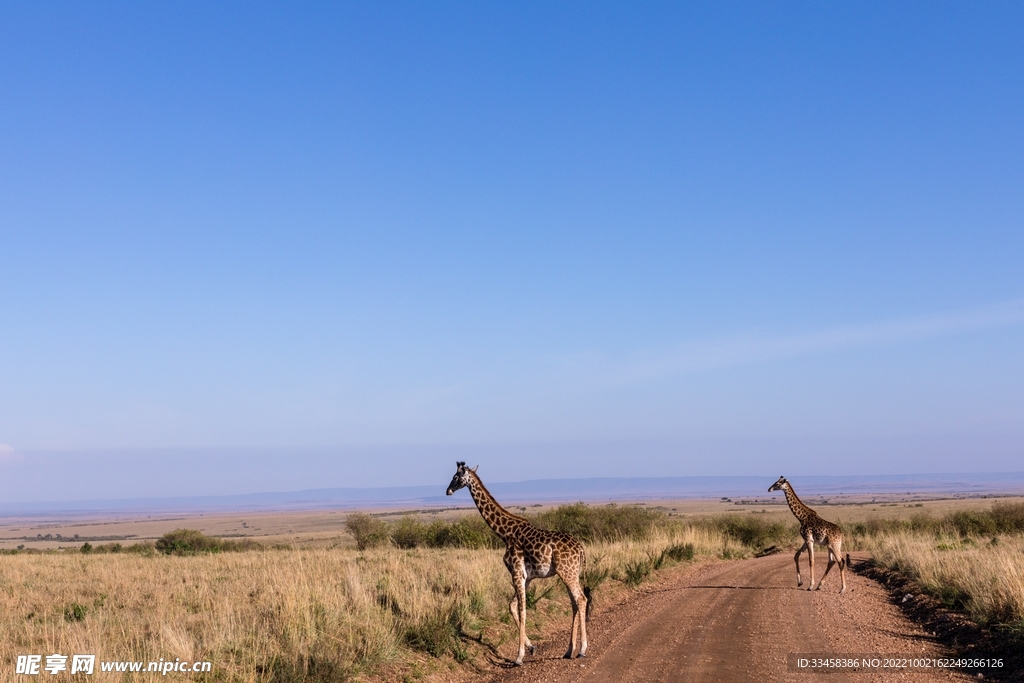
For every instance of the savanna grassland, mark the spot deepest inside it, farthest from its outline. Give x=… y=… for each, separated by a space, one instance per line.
x=413 y=597
x=397 y=608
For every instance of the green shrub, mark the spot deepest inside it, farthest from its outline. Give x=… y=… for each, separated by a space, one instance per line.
x=75 y=612
x=601 y=523
x=190 y=542
x=465 y=532
x=636 y=571
x=754 y=532
x=1008 y=517
x=972 y=522
x=368 y=531
x=680 y=552
x=187 y=542
x=144 y=548
x=409 y=533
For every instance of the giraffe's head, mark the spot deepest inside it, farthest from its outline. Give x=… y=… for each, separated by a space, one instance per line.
x=460 y=479
x=779 y=485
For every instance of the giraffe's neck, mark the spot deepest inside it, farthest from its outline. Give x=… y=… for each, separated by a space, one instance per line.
x=501 y=521
x=800 y=511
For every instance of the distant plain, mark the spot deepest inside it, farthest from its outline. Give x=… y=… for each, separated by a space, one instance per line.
x=325 y=527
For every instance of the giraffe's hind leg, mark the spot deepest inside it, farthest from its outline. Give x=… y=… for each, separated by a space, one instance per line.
x=810 y=558
x=831 y=561
x=835 y=556
x=579 y=614
x=796 y=558
x=575 y=625
x=842 y=566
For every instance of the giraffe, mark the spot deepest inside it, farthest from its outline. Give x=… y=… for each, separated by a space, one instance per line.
x=813 y=529
x=531 y=553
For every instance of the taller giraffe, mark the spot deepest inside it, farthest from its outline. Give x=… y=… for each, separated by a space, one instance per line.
x=813 y=529
x=531 y=553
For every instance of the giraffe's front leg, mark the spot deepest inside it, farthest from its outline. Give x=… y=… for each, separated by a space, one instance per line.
x=529 y=645
x=512 y=562
x=519 y=583
x=513 y=608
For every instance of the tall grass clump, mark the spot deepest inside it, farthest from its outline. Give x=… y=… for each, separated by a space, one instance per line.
x=982 y=578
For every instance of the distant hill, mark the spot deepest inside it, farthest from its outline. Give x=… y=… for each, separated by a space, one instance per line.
x=595 y=490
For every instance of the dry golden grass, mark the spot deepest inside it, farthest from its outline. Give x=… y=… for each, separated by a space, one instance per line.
x=983 y=578
x=332 y=613
x=278 y=615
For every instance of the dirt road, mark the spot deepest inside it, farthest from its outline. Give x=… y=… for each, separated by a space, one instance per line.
x=737 y=621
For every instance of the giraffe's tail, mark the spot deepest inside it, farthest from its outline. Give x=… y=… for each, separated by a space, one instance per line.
x=587 y=593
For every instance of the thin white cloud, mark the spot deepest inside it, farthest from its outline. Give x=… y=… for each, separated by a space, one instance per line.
x=758 y=347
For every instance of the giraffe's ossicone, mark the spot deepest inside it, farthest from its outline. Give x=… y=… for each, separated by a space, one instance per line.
x=532 y=553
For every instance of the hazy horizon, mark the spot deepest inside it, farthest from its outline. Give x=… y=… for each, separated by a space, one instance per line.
x=595 y=490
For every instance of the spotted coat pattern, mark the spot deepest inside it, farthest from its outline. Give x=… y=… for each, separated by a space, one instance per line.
x=531 y=553
x=813 y=529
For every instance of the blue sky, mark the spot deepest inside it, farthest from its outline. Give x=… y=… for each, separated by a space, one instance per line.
x=270 y=247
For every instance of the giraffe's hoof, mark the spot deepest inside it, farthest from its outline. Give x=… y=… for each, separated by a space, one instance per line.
x=533 y=648
x=581 y=655
x=567 y=655
x=518 y=662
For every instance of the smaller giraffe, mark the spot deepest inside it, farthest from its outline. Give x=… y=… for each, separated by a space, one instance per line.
x=813 y=529
x=532 y=553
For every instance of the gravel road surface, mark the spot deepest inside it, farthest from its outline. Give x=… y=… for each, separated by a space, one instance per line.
x=737 y=621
